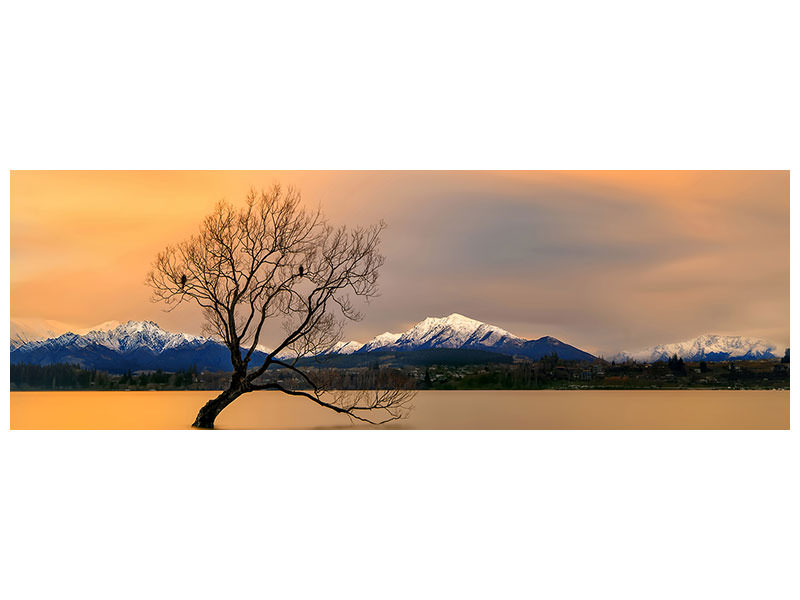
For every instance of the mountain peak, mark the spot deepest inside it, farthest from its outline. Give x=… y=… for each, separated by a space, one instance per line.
x=454 y=331
x=453 y=319
x=346 y=347
x=27 y=330
x=139 y=325
x=459 y=331
x=459 y=317
x=387 y=338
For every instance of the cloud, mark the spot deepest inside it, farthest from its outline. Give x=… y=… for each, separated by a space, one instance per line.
x=604 y=260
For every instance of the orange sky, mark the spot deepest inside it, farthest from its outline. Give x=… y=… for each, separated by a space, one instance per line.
x=603 y=260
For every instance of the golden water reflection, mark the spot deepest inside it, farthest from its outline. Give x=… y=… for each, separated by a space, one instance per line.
x=540 y=409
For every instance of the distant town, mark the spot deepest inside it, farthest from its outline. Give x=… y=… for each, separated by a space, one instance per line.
x=450 y=373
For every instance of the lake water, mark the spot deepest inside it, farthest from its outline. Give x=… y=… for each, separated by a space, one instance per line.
x=540 y=409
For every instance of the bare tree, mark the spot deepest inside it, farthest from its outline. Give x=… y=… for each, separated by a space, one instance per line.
x=274 y=259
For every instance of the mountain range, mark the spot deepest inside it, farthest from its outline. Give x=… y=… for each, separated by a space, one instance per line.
x=143 y=345
x=455 y=339
x=135 y=346
x=706 y=347
x=32 y=330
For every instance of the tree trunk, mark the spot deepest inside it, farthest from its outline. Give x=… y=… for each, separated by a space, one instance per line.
x=208 y=414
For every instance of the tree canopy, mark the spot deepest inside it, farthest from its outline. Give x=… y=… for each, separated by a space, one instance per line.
x=274 y=259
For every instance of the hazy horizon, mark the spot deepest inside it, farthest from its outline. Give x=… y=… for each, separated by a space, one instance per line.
x=605 y=261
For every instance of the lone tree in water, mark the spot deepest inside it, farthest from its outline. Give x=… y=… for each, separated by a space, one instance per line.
x=273 y=259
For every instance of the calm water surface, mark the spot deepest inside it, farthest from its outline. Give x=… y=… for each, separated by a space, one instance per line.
x=545 y=409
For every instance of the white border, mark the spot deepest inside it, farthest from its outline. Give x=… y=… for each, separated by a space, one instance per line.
x=412 y=514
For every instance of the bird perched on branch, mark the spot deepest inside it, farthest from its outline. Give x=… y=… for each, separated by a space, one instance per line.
x=183 y=280
x=301 y=270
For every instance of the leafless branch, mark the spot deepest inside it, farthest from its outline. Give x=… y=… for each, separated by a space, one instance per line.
x=274 y=259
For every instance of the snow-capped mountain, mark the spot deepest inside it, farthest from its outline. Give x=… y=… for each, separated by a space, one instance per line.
x=143 y=345
x=381 y=341
x=456 y=331
x=127 y=336
x=135 y=345
x=31 y=330
x=706 y=347
x=346 y=347
x=141 y=334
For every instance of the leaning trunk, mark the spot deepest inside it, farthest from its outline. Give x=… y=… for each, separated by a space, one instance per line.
x=208 y=414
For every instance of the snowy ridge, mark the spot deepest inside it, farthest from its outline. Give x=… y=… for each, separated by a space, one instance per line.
x=141 y=334
x=706 y=347
x=381 y=341
x=131 y=346
x=145 y=343
x=456 y=331
x=346 y=347
x=121 y=338
x=452 y=331
x=24 y=331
